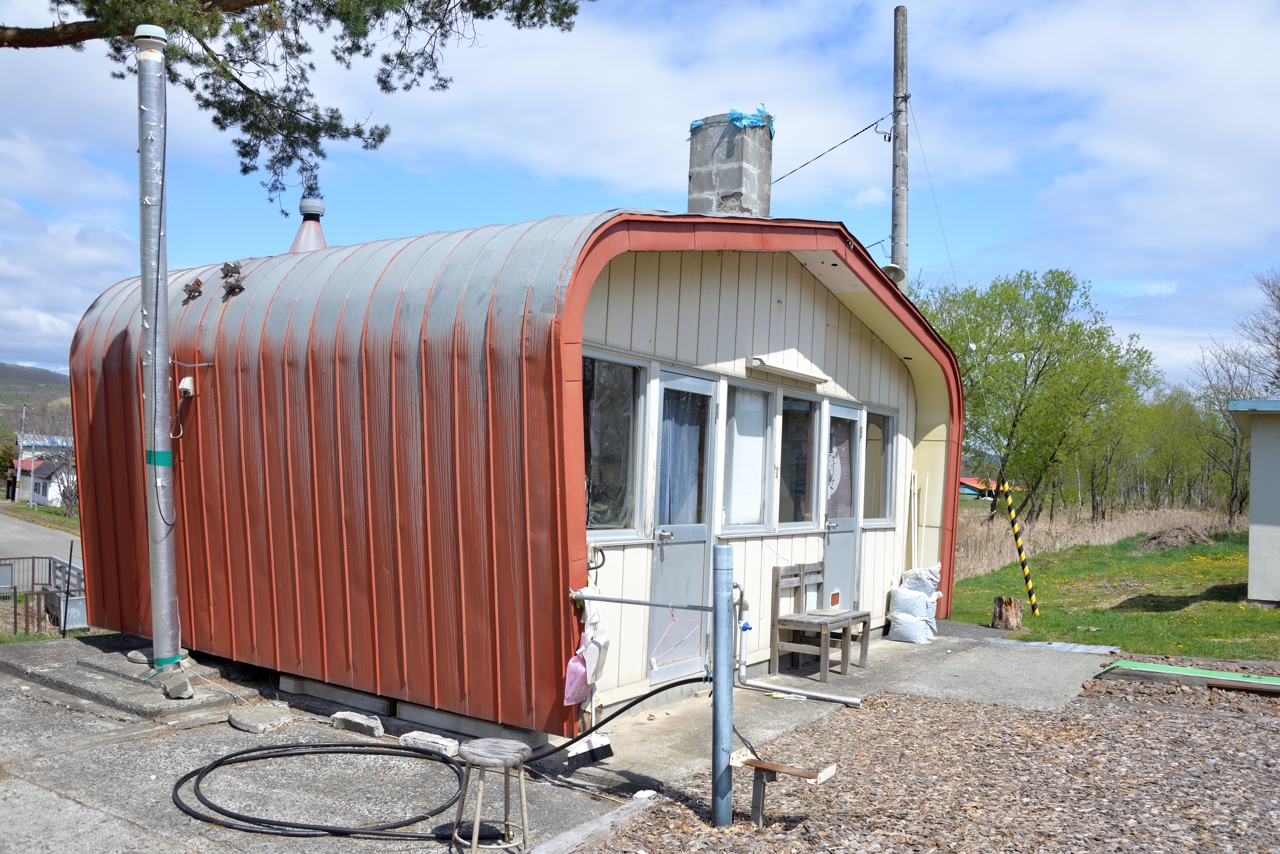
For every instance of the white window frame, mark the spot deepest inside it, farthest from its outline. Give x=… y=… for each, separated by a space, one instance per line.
x=890 y=463
x=816 y=466
x=639 y=468
x=771 y=472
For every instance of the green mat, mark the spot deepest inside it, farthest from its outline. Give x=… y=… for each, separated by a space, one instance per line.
x=1240 y=678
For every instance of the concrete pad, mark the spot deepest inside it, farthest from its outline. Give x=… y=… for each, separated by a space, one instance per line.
x=35 y=724
x=264 y=717
x=38 y=820
x=1020 y=676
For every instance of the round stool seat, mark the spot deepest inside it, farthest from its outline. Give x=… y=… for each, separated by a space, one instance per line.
x=494 y=752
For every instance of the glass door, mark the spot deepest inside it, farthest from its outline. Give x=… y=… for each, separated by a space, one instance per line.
x=681 y=552
x=841 y=552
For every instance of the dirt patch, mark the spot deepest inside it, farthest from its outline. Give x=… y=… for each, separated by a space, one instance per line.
x=1176 y=538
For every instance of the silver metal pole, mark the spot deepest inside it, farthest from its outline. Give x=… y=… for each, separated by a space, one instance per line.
x=900 y=95
x=22 y=429
x=722 y=624
x=165 y=636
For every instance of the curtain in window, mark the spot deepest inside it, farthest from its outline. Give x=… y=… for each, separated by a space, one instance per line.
x=840 y=471
x=683 y=458
x=746 y=453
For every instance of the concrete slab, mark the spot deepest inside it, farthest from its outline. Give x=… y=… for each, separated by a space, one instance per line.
x=74 y=782
x=19 y=538
x=1021 y=676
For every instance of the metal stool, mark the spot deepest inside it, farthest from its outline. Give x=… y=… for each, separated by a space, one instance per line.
x=494 y=753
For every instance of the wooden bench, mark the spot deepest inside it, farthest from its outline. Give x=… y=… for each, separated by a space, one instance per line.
x=767 y=772
x=791 y=582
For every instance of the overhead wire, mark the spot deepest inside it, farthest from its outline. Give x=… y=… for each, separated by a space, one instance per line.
x=834 y=147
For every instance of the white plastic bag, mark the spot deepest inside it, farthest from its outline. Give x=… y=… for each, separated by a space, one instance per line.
x=924 y=579
x=908 y=615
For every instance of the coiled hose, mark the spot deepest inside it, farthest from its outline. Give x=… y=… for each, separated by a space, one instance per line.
x=233 y=820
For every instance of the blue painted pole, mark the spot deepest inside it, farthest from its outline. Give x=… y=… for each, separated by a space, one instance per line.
x=722 y=686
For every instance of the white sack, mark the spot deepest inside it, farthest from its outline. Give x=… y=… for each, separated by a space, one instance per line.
x=924 y=579
x=908 y=612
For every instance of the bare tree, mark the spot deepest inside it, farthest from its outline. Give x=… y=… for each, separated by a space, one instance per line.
x=1226 y=372
x=54 y=419
x=1261 y=328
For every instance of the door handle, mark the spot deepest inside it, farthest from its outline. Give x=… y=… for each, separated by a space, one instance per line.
x=663 y=536
x=831 y=526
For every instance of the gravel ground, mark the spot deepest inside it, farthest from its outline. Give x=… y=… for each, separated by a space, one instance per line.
x=942 y=775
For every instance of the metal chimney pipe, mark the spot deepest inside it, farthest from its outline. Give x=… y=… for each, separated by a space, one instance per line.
x=898 y=251
x=165 y=635
x=310 y=236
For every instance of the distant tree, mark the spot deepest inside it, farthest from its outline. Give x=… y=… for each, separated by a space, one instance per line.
x=1261 y=328
x=248 y=61
x=1226 y=372
x=1044 y=376
x=54 y=419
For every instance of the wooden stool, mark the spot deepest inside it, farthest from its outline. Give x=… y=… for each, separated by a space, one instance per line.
x=501 y=753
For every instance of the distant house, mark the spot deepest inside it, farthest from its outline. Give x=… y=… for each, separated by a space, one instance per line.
x=37 y=482
x=976 y=487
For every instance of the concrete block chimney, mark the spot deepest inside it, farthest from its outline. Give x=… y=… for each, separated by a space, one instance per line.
x=730 y=167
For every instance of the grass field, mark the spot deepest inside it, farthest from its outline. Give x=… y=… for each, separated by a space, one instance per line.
x=1187 y=602
x=50 y=517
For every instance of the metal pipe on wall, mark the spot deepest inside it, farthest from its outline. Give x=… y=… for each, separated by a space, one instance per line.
x=152 y=119
x=722 y=686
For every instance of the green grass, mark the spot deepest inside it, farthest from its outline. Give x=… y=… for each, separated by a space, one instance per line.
x=1188 y=601
x=54 y=517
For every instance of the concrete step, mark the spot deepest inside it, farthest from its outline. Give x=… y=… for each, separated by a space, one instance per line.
x=107 y=677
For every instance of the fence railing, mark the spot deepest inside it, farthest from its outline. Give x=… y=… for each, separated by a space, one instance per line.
x=42 y=590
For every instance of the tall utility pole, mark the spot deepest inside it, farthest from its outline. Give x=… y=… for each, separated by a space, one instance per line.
x=898 y=252
x=22 y=432
x=152 y=121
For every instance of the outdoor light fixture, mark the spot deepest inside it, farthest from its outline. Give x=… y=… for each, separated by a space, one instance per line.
x=896 y=274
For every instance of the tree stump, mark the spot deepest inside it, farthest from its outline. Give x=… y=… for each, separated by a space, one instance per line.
x=1007 y=613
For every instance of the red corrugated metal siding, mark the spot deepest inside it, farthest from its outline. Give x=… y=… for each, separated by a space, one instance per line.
x=379 y=481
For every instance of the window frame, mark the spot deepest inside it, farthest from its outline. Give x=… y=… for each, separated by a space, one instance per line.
x=888 y=520
x=816 y=466
x=634 y=533
x=772 y=476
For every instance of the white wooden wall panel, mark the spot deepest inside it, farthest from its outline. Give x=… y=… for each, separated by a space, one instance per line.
x=715 y=310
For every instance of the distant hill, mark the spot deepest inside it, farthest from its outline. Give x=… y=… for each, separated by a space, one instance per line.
x=37 y=388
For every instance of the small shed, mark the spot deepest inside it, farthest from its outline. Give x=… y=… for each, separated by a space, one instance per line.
x=1260 y=422
x=399 y=454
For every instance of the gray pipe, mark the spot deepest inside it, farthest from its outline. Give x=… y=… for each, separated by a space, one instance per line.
x=744 y=682
x=722 y=687
x=152 y=120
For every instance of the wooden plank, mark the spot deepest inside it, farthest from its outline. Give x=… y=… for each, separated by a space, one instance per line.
x=727 y=333
x=708 y=308
x=746 y=310
x=668 y=305
x=644 y=301
x=622 y=279
x=690 y=299
x=789 y=770
x=594 y=320
x=778 y=302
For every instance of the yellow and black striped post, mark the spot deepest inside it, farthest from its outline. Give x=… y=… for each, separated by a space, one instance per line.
x=1022 y=553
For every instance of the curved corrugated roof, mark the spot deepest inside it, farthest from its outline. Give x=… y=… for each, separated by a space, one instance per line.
x=371 y=441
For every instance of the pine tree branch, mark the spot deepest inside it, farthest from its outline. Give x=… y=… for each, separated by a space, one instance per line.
x=78 y=32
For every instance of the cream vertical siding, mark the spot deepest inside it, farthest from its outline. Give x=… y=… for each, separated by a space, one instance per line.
x=713 y=311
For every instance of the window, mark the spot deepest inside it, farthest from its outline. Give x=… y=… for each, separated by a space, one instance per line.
x=746 y=456
x=799 y=441
x=875 y=488
x=609 y=416
x=840 y=467
x=682 y=466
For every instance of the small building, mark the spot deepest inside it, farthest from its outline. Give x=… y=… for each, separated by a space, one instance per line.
x=36 y=481
x=1260 y=422
x=401 y=456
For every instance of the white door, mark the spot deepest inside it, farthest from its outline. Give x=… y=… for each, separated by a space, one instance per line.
x=841 y=552
x=681 y=552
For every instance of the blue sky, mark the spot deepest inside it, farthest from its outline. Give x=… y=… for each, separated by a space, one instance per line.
x=1132 y=143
